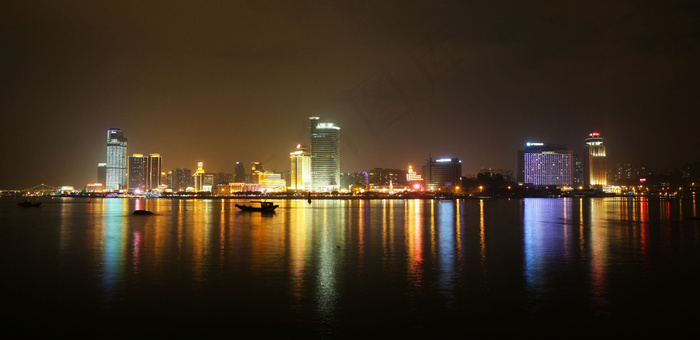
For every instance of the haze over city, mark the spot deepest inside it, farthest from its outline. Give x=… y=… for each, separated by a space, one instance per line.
x=234 y=81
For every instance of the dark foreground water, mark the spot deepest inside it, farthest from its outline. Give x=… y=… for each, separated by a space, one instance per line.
x=336 y=268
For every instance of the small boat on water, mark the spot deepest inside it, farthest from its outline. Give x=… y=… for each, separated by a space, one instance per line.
x=142 y=212
x=28 y=204
x=258 y=206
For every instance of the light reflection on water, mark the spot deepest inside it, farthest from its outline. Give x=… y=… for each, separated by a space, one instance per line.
x=326 y=266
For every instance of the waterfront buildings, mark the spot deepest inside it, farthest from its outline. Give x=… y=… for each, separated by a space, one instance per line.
x=144 y=172
x=300 y=174
x=325 y=156
x=155 y=163
x=269 y=181
x=116 y=171
x=594 y=162
x=181 y=179
x=414 y=180
x=255 y=169
x=379 y=177
x=239 y=173
x=354 y=180
x=442 y=174
x=138 y=173
x=199 y=177
x=545 y=165
x=102 y=173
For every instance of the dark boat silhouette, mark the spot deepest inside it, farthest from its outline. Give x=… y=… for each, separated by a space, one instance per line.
x=142 y=212
x=258 y=206
x=28 y=204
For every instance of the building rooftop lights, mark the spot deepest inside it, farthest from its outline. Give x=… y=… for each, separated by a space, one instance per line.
x=327 y=126
x=443 y=160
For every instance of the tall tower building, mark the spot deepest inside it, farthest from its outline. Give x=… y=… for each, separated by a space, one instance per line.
x=138 y=173
x=239 y=173
x=594 y=164
x=325 y=156
x=300 y=174
x=116 y=176
x=199 y=177
x=545 y=165
x=155 y=163
x=181 y=179
x=102 y=173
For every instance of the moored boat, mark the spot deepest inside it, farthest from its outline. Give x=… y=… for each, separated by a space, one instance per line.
x=28 y=204
x=258 y=206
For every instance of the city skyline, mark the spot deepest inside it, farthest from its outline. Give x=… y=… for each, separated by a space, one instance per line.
x=221 y=83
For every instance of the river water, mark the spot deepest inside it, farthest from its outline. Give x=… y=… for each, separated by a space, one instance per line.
x=350 y=268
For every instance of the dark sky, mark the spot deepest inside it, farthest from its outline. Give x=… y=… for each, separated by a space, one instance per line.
x=224 y=81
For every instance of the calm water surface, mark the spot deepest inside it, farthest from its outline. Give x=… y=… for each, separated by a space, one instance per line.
x=342 y=268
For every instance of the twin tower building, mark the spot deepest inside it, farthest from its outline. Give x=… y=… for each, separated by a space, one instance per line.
x=316 y=168
x=122 y=171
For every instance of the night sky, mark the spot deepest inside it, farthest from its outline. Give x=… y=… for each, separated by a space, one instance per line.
x=220 y=82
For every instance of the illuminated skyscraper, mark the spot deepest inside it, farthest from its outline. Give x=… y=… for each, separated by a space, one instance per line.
x=199 y=177
x=594 y=164
x=154 y=171
x=138 y=173
x=300 y=178
x=181 y=179
x=325 y=156
x=545 y=165
x=442 y=174
x=116 y=176
x=239 y=174
x=102 y=173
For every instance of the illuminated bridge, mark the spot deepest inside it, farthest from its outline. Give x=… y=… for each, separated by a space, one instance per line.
x=39 y=190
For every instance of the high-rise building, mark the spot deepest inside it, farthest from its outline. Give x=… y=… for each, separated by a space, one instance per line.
x=442 y=174
x=155 y=163
x=325 y=156
x=102 y=173
x=116 y=176
x=199 y=177
x=595 y=168
x=300 y=174
x=138 y=173
x=239 y=174
x=181 y=179
x=380 y=177
x=545 y=165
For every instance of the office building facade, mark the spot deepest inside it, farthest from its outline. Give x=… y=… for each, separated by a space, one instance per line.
x=181 y=179
x=542 y=164
x=442 y=174
x=138 y=173
x=325 y=156
x=102 y=173
x=116 y=171
x=155 y=163
x=300 y=174
x=595 y=169
x=199 y=177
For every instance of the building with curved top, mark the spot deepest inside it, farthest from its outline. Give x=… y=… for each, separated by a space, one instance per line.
x=595 y=168
x=300 y=174
x=325 y=156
